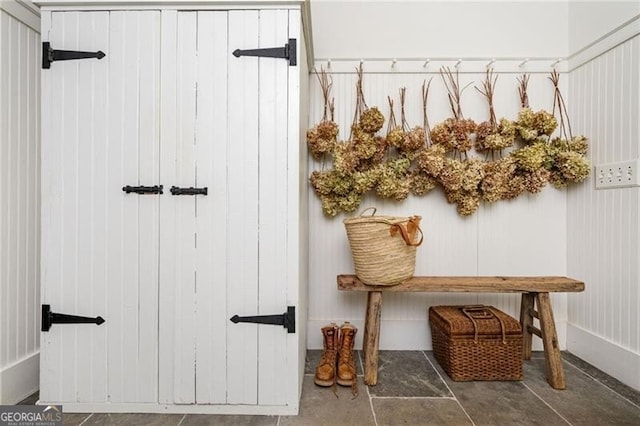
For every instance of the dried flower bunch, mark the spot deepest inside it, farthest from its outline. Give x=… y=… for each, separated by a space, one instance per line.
x=415 y=160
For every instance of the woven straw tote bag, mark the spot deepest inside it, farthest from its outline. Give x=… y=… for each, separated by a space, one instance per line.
x=383 y=247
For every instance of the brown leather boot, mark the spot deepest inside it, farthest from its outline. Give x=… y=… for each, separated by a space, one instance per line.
x=326 y=369
x=346 y=360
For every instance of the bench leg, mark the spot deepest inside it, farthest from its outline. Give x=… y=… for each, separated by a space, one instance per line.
x=555 y=373
x=372 y=337
x=526 y=321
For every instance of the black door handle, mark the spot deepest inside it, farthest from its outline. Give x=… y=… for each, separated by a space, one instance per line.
x=175 y=190
x=157 y=189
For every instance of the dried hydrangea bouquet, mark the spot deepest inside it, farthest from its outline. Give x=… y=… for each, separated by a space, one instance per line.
x=516 y=157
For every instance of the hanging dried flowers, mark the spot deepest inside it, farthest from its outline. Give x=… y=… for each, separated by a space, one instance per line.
x=568 y=154
x=493 y=136
x=322 y=138
x=415 y=160
x=454 y=133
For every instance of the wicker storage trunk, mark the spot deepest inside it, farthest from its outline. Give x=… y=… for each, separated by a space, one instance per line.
x=476 y=342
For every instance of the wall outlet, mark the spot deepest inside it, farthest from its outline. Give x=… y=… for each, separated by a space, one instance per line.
x=622 y=174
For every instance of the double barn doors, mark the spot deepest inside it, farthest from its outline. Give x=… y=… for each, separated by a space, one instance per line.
x=169 y=105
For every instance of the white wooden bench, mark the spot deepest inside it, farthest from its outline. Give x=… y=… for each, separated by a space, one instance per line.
x=535 y=293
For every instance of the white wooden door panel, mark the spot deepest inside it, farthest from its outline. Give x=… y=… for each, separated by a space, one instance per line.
x=212 y=210
x=67 y=285
x=242 y=225
x=296 y=218
x=133 y=246
x=92 y=219
x=185 y=279
x=148 y=111
x=167 y=266
x=100 y=245
x=272 y=288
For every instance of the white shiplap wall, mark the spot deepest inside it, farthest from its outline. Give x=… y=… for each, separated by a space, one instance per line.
x=526 y=236
x=19 y=208
x=603 y=232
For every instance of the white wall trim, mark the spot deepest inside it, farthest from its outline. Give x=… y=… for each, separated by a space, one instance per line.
x=612 y=39
x=23 y=11
x=606 y=355
x=239 y=409
x=19 y=380
x=407 y=335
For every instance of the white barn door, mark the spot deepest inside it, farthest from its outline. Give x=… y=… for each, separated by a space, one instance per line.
x=169 y=105
x=100 y=132
x=223 y=253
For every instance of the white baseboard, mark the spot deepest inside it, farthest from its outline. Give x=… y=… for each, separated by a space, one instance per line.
x=406 y=335
x=124 y=407
x=19 y=380
x=613 y=359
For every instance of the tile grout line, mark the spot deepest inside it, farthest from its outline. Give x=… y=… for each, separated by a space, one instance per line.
x=602 y=383
x=546 y=403
x=409 y=398
x=373 y=412
x=448 y=388
x=84 y=421
x=182 y=419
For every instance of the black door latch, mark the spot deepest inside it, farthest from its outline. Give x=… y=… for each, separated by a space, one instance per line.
x=157 y=189
x=175 y=190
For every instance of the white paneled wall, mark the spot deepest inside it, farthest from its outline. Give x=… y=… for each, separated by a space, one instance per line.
x=19 y=208
x=526 y=236
x=603 y=231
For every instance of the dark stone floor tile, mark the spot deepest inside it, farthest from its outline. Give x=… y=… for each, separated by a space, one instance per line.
x=615 y=384
x=313 y=358
x=117 y=419
x=584 y=399
x=419 y=411
x=407 y=374
x=30 y=400
x=223 y=420
x=501 y=403
x=73 y=419
x=319 y=406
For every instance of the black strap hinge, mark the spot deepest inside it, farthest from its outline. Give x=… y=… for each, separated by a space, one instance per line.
x=50 y=55
x=289 y=51
x=49 y=318
x=287 y=320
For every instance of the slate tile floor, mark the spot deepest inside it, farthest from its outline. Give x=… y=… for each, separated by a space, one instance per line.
x=413 y=390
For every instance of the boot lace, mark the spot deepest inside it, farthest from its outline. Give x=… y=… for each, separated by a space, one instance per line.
x=346 y=356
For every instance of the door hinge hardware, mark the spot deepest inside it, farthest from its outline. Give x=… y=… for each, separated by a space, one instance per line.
x=157 y=189
x=289 y=52
x=50 y=55
x=49 y=318
x=287 y=320
x=175 y=190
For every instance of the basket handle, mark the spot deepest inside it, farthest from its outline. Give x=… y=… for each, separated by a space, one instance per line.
x=398 y=227
x=367 y=209
x=474 y=312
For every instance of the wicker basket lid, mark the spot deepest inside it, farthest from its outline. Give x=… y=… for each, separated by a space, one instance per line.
x=455 y=323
